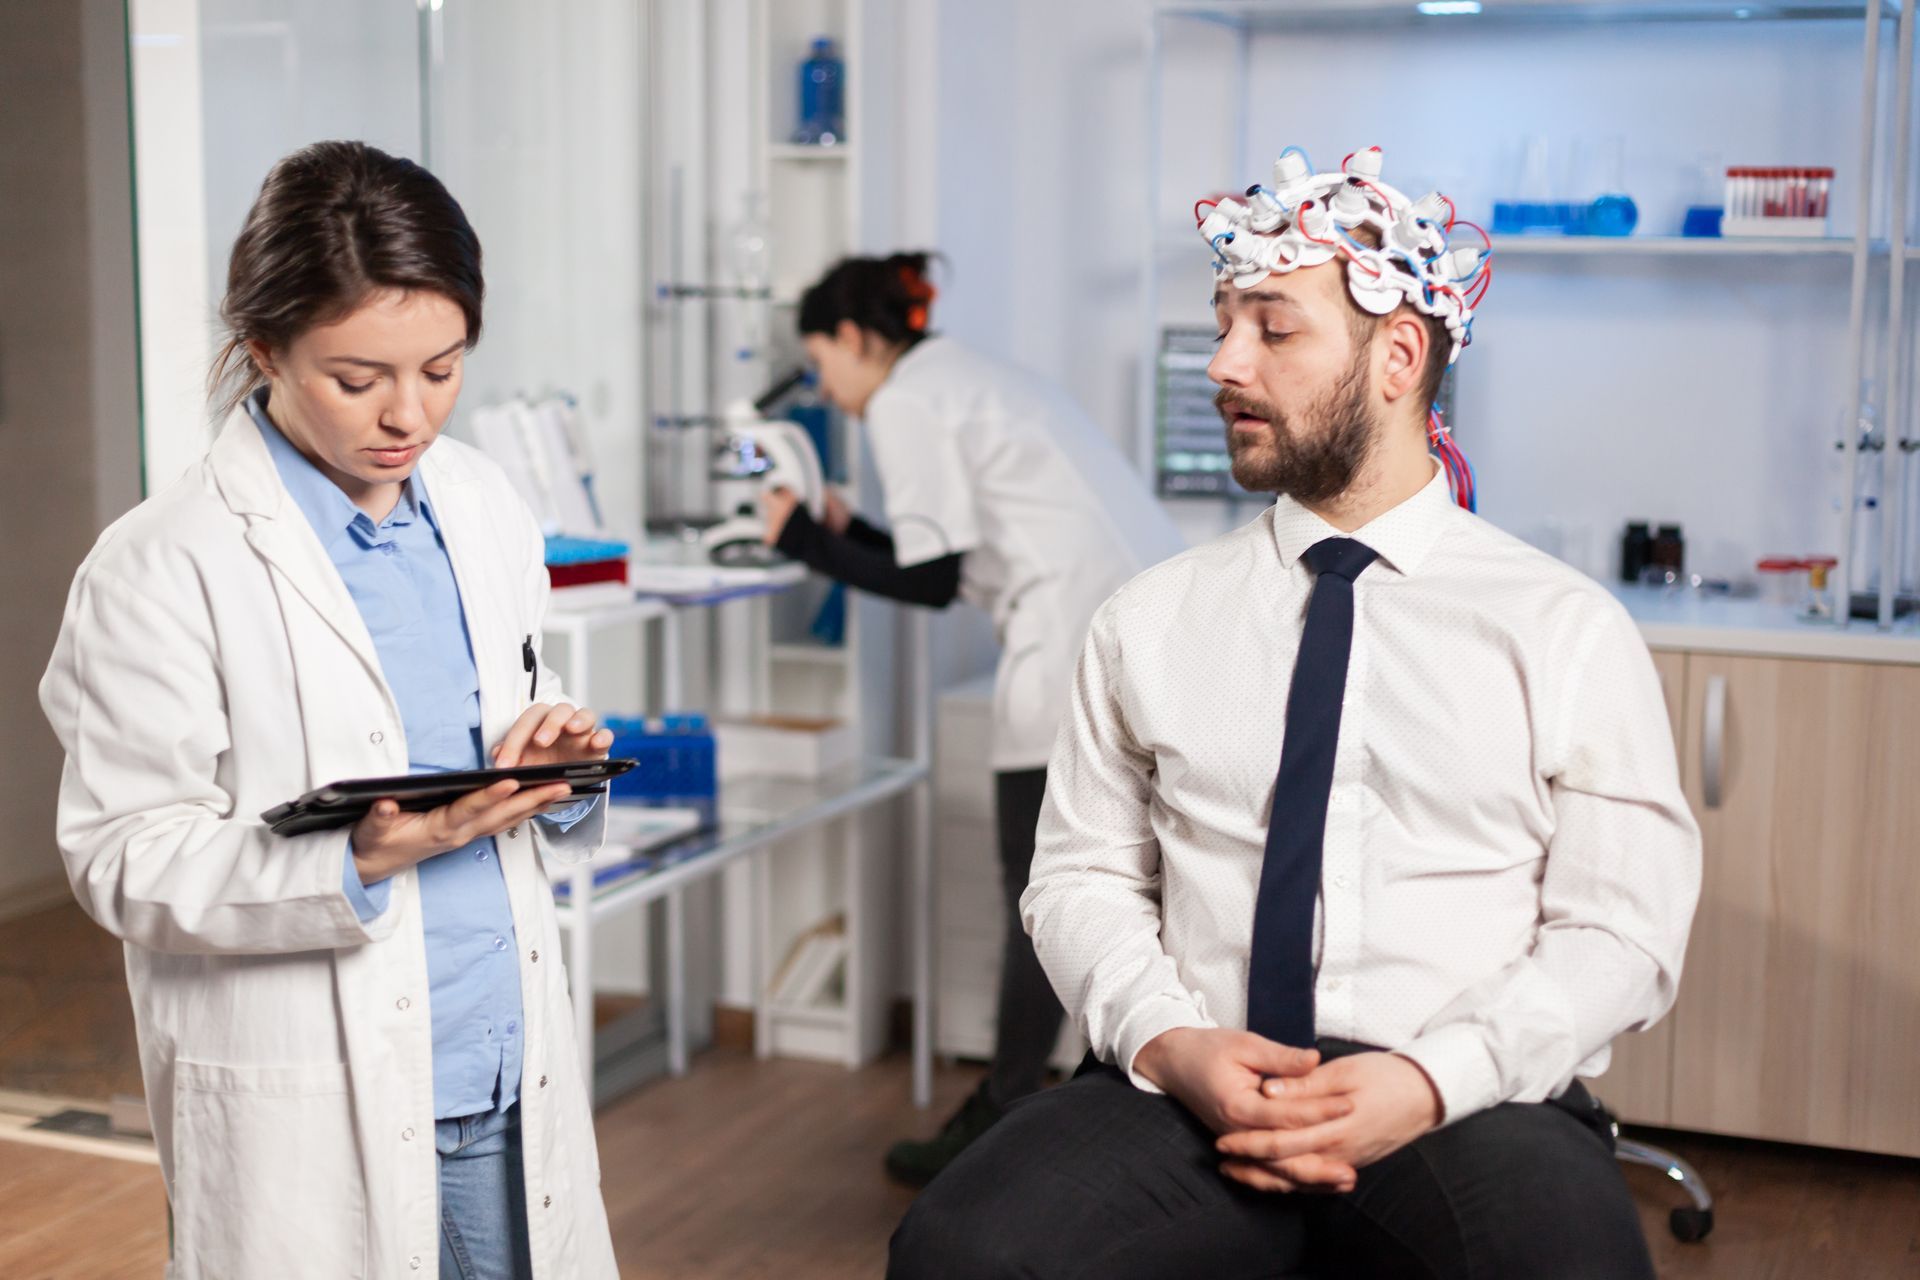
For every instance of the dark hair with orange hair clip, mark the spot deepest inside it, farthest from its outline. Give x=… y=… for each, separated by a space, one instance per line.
x=889 y=297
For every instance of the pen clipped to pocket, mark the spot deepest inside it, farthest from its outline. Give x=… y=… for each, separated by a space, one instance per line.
x=532 y=665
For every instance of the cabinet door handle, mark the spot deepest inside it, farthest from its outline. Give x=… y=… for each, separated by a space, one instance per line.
x=1713 y=743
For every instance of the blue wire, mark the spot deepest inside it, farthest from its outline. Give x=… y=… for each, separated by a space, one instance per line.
x=1219 y=258
x=1303 y=155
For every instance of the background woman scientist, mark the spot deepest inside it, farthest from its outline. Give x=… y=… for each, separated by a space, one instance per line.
x=1000 y=491
x=357 y=1045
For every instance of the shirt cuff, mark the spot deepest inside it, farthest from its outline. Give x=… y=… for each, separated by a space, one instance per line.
x=1158 y=1015
x=369 y=900
x=1456 y=1060
x=565 y=819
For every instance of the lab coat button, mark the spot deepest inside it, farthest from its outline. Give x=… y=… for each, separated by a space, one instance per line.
x=536 y=957
x=546 y=1202
x=543 y=1082
x=403 y=1004
x=406 y=1135
x=376 y=737
x=513 y=833
x=414 y=1262
x=1333 y=984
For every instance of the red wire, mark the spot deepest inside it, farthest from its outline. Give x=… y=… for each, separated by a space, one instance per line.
x=1350 y=156
x=1300 y=220
x=1453 y=214
x=1377 y=191
x=1479 y=287
x=1484 y=237
x=1196 y=209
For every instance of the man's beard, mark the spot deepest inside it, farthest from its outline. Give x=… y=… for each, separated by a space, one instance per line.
x=1314 y=463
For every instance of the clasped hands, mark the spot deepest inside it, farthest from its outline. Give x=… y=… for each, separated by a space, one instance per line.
x=1287 y=1121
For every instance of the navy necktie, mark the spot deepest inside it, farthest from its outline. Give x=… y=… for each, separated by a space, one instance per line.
x=1280 y=972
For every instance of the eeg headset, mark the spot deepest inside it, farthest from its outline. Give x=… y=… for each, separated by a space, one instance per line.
x=1306 y=219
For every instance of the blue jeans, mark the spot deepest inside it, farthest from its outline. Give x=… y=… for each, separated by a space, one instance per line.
x=483 y=1198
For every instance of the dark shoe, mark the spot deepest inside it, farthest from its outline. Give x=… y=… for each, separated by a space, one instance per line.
x=914 y=1164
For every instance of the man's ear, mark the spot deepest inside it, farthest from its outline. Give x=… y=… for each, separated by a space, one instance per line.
x=1405 y=336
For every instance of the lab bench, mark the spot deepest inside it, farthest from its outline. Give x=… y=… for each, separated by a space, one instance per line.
x=1704 y=622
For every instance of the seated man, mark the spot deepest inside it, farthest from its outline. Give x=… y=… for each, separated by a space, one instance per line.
x=1363 y=839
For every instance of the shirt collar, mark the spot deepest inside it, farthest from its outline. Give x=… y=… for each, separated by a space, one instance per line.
x=1402 y=536
x=326 y=506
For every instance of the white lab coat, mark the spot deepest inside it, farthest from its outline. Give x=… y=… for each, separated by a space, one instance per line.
x=210 y=665
x=981 y=457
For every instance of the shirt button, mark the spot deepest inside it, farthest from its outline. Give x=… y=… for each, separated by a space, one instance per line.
x=513 y=1028
x=481 y=854
x=376 y=737
x=403 y=1004
x=406 y=1135
x=499 y=944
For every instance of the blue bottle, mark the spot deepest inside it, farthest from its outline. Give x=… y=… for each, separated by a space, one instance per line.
x=822 y=97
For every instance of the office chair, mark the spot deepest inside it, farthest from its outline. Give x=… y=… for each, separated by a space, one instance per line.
x=1689 y=1223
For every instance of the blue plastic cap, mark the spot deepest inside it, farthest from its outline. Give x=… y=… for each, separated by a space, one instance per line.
x=823 y=44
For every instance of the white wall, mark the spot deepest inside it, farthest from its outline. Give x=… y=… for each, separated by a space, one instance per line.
x=1707 y=393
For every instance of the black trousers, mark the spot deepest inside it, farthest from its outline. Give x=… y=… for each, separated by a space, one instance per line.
x=1098 y=1179
x=1029 y=1013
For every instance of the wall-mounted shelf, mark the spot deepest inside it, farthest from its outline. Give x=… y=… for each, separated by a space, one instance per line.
x=807 y=154
x=1841 y=247
x=1334 y=15
x=1171 y=243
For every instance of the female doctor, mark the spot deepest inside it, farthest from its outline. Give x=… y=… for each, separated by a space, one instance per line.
x=1002 y=492
x=357 y=1045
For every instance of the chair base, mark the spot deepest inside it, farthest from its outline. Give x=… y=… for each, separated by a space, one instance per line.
x=1689 y=1224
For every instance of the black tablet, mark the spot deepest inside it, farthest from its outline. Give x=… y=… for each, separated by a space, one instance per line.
x=342 y=803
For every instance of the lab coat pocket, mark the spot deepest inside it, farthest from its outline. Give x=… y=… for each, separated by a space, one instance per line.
x=266 y=1177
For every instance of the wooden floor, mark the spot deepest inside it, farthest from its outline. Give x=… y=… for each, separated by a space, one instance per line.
x=747 y=1170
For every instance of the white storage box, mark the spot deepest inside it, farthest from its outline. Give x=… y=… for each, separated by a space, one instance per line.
x=781 y=747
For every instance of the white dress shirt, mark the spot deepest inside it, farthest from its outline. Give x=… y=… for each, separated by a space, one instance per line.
x=1509 y=868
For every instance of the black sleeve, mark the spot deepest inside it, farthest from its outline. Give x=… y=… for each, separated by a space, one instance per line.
x=866 y=561
x=867 y=535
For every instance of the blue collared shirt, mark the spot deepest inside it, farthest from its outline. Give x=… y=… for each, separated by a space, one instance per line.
x=399 y=575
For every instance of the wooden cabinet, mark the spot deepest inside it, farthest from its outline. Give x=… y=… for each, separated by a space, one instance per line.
x=1799 y=1012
